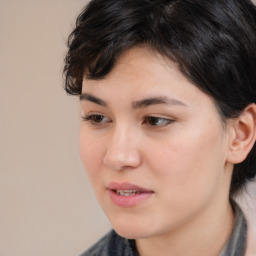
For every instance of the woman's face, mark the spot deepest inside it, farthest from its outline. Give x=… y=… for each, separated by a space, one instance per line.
x=153 y=146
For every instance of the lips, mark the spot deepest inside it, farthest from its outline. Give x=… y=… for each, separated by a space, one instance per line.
x=127 y=195
x=126 y=186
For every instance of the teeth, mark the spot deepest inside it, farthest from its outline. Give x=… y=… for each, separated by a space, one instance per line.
x=127 y=192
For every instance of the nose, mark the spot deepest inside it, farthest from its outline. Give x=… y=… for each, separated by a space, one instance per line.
x=123 y=150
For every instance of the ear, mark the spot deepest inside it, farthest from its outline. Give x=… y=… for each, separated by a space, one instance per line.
x=242 y=135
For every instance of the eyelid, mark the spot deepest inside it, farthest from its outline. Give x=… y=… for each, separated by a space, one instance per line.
x=90 y=118
x=167 y=121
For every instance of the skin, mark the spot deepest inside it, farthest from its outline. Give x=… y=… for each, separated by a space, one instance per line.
x=183 y=156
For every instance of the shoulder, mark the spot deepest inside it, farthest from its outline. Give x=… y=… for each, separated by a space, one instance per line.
x=110 y=245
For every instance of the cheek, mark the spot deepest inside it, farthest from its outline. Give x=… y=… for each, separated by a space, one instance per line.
x=188 y=163
x=186 y=176
x=91 y=154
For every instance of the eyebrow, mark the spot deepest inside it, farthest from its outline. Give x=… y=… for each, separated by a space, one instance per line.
x=136 y=104
x=89 y=97
x=155 y=101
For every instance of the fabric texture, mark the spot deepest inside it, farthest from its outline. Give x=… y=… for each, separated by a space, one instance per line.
x=114 y=245
x=236 y=244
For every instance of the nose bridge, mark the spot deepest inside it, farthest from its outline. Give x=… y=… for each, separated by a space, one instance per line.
x=122 y=134
x=122 y=150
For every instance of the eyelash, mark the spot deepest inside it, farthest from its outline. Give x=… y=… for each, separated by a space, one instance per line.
x=96 y=119
x=152 y=120
x=93 y=119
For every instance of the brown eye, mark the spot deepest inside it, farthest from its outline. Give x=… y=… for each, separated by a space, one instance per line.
x=97 y=119
x=157 y=121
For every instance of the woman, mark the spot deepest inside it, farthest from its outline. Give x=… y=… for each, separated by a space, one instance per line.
x=168 y=91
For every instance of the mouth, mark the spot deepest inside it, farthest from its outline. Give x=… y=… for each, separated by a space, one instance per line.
x=128 y=195
x=127 y=192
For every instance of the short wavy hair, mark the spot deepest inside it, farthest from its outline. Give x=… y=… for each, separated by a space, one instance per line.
x=213 y=42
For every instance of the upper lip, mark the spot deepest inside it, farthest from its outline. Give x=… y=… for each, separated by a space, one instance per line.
x=126 y=186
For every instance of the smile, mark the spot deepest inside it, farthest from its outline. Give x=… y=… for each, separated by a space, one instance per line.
x=127 y=192
x=127 y=195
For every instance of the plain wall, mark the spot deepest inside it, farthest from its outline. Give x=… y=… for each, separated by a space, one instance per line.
x=47 y=207
x=46 y=204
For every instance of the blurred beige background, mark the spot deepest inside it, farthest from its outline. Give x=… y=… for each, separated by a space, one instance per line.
x=46 y=205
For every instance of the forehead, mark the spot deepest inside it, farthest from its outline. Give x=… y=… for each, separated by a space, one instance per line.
x=139 y=64
x=138 y=73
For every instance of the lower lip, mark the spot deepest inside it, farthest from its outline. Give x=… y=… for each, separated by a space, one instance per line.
x=128 y=201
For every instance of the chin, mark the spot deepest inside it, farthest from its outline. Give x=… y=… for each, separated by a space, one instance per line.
x=132 y=230
x=131 y=234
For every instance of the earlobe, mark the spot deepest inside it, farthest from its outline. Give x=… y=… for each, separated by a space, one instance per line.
x=243 y=135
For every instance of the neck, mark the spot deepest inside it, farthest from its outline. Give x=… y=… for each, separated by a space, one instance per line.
x=204 y=235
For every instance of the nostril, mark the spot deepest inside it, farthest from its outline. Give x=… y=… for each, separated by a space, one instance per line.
x=122 y=160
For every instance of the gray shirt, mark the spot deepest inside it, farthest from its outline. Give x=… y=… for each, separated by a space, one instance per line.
x=114 y=245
